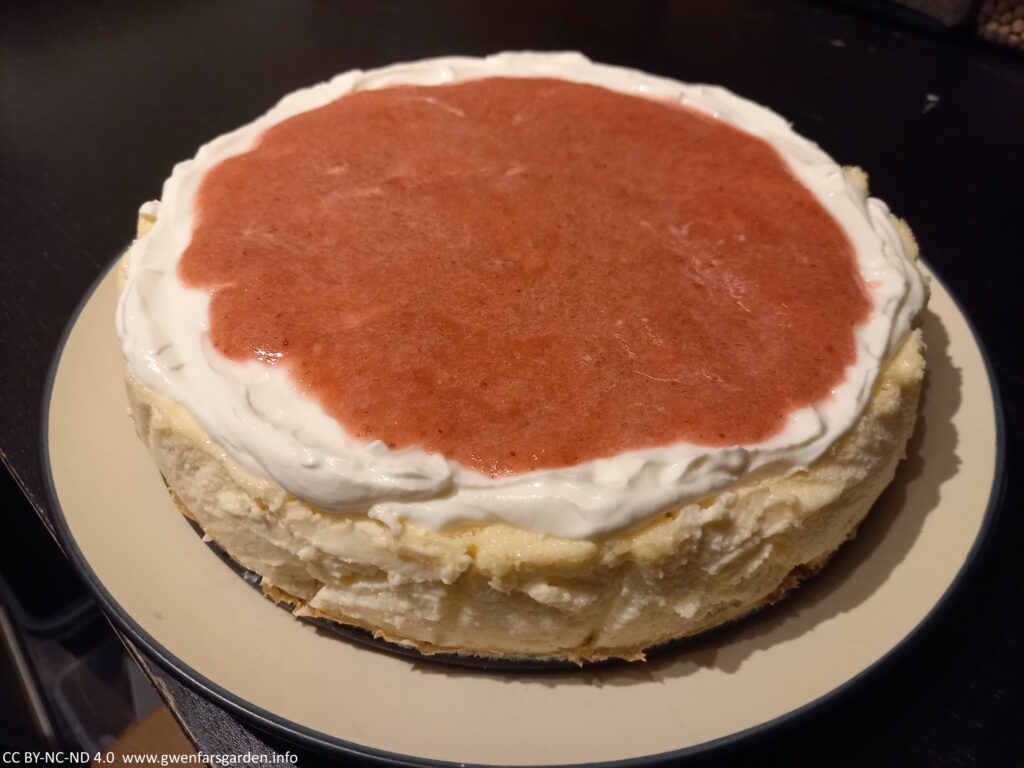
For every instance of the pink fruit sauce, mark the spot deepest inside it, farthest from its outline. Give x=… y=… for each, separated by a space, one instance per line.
x=528 y=273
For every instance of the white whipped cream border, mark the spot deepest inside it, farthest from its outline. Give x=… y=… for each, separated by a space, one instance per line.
x=261 y=419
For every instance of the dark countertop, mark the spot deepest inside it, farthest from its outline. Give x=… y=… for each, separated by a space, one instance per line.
x=99 y=100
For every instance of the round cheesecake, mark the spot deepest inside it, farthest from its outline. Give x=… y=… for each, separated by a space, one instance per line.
x=522 y=356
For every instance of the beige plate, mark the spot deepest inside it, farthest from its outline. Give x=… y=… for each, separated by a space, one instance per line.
x=190 y=611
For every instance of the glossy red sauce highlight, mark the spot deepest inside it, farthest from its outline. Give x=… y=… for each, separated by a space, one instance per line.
x=528 y=273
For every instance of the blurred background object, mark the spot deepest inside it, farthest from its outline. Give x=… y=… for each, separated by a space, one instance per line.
x=996 y=21
x=1002 y=21
x=948 y=13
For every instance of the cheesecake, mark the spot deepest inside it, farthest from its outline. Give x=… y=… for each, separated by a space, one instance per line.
x=522 y=356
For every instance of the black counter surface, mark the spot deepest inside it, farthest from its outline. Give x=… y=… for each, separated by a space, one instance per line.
x=99 y=100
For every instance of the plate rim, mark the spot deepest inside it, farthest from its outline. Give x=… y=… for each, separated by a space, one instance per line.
x=324 y=743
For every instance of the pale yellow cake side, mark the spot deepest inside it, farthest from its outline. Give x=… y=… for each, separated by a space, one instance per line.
x=494 y=589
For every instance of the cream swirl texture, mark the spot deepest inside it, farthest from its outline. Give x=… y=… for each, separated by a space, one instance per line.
x=263 y=421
